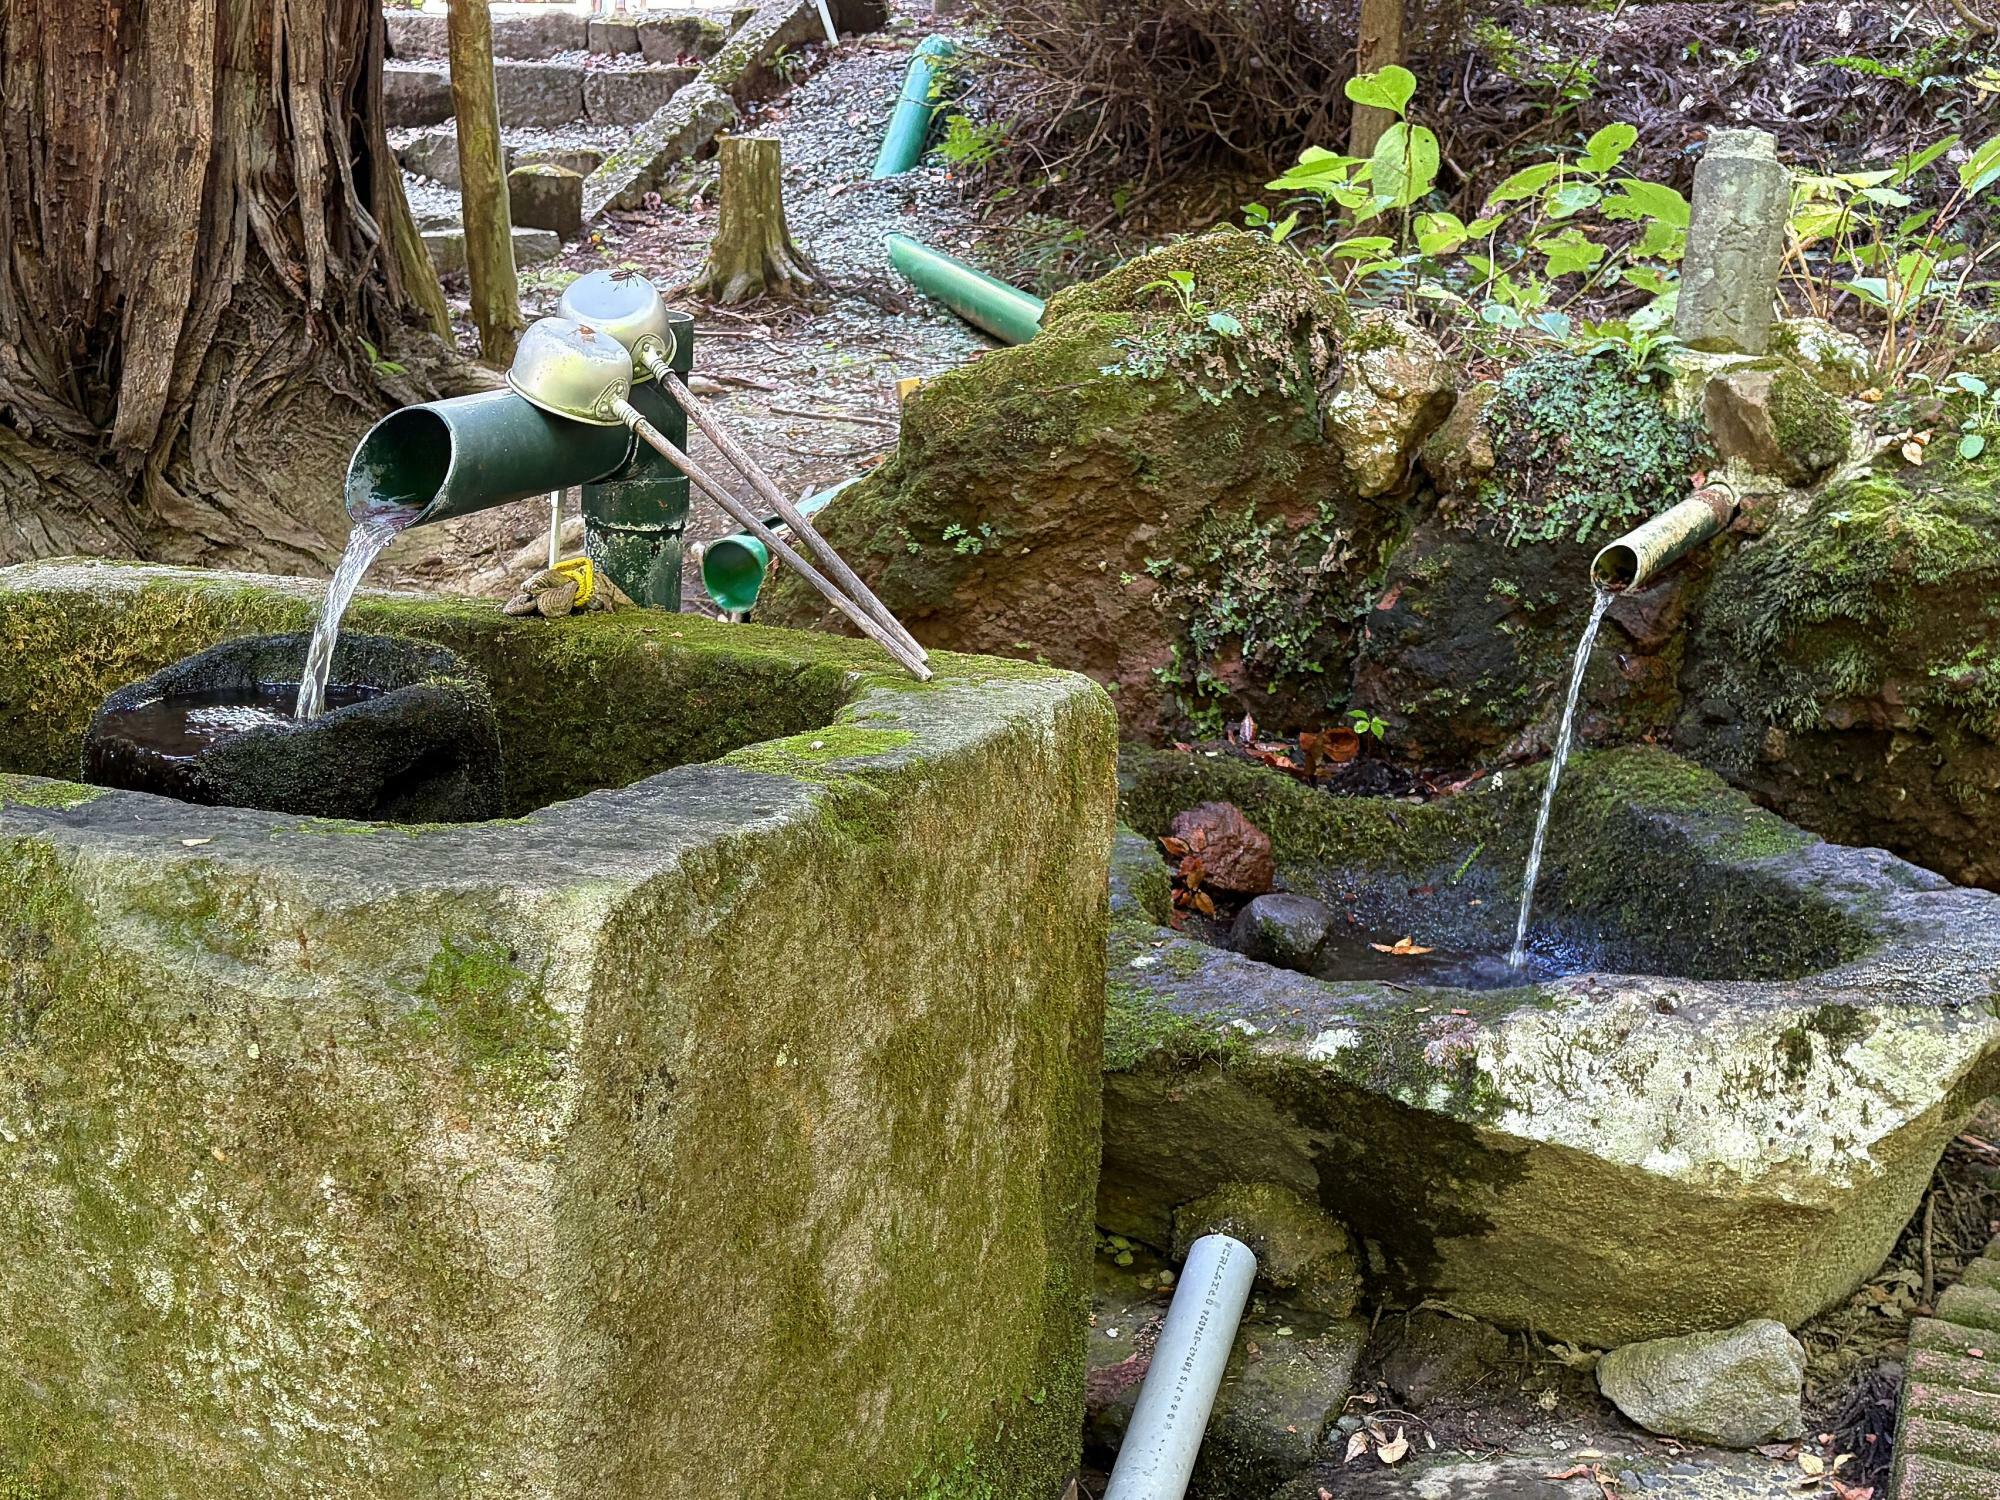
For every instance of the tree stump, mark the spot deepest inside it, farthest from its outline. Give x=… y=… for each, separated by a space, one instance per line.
x=752 y=254
x=482 y=171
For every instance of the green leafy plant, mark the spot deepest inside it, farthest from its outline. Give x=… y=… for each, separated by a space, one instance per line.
x=1364 y=723
x=968 y=144
x=377 y=363
x=1548 y=235
x=1865 y=237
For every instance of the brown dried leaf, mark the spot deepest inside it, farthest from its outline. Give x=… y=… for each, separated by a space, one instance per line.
x=1356 y=1445
x=1403 y=948
x=1176 y=847
x=1203 y=904
x=1394 y=1450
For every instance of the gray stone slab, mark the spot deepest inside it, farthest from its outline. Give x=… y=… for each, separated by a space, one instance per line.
x=527 y=37
x=531 y=248
x=542 y=195
x=1736 y=238
x=415 y=94
x=630 y=96
x=538 y=93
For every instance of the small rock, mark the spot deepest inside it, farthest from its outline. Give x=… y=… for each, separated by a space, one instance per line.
x=541 y=195
x=1440 y=1355
x=1460 y=453
x=1283 y=929
x=1303 y=1255
x=1835 y=358
x=1735 y=1388
x=1396 y=386
x=1235 y=853
x=1774 y=418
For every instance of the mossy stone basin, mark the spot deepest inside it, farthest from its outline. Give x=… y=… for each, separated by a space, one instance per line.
x=415 y=742
x=1729 y=1112
x=720 y=1121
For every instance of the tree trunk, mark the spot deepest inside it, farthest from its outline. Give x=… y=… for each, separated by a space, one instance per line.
x=205 y=240
x=752 y=254
x=489 y=223
x=1378 y=43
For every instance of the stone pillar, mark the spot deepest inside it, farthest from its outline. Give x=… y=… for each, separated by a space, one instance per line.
x=1736 y=240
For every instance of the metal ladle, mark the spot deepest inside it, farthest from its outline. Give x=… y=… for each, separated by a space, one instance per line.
x=571 y=370
x=627 y=306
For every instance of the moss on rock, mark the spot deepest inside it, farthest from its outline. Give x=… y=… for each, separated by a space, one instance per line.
x=1145 y=491
x=370 y=1165
x=1851 y=643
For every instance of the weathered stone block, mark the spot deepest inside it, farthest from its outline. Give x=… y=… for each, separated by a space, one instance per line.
x=1736 y=239
x=1735 y=1388
x=1774 y=419
x=630 y=96
x=415 y=94
x=740 y=1086
x=544 y=196
x=1773 y=1042
x=677 y=39
x=582 y=160
x=527 y=37
x=611 y=37
x=531 y=247
x=538 y=93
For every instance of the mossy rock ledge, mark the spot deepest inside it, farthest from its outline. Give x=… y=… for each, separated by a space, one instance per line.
x=1178 y=487
x=1730 y=1114
x=724 y=1121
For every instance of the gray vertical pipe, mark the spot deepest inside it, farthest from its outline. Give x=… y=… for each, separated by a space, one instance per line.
x=1157 y=1457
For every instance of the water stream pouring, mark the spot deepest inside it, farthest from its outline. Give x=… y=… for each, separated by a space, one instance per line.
x=628 y=307
x=573 y=371
x=1631 y=562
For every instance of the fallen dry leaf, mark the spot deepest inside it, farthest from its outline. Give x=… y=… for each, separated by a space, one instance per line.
x=1356 y=1446
x=195 y=843
x=1403 y=948
x=1178 y=848
x=1812 y=1463
x=1576 y=1471
x=1395 y=1450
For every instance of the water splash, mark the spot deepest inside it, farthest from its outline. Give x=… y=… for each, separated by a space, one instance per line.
x=365 y=543
x=1518 y=955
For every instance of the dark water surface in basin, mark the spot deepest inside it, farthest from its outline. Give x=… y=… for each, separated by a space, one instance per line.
x=181 y=726
x=1352 y=956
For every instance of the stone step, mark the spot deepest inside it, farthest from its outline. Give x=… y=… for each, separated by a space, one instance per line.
x=674 y=37
x=1933 y=1368
x=1982 y=1272
x=1970 y=1307
x=534 y=94
x=531 y=248
x=432 y=151
x=1954 y=1443
x=1921 y=1477
x=1947 y=1401
x=1948 y=1338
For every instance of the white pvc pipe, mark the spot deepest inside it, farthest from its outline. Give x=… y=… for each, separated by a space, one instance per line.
x=555 y=527
x=1157 y=1456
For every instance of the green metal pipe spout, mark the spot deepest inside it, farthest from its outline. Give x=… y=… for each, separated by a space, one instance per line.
x=1648 y=550
x=428 y=463
x=1008 y=313
x=733 y=566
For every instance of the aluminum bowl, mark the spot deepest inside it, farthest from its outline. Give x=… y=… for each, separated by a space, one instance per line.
x=572 y=370
x=627 y=306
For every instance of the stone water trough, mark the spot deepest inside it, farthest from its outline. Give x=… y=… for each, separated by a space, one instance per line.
x=1729 y=1111
x=721 y=1121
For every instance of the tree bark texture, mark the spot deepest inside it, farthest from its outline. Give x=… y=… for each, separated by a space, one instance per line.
x=489 y=221
x=200 y=225
x=1378 y=43
x=752 y=254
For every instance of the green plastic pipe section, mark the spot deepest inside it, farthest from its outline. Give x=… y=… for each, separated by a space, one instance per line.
x=733 y=567
x=428 y=463
x=1008 y=313
x=916 y=110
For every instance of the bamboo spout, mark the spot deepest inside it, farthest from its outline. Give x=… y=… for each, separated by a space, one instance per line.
x=1648 y=550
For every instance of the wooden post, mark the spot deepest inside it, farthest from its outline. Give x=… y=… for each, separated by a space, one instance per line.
x=1378 y=43
x=752 y=254
x=489 y=229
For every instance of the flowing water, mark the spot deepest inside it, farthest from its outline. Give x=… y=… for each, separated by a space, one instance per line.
x=1519 y=954
x=364 y=544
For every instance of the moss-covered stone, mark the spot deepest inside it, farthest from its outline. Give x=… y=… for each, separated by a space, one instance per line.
x=1773 y=1039
x=569 y=1155
x=1146 y=491
x=1843 y=670
x=1466 y=650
